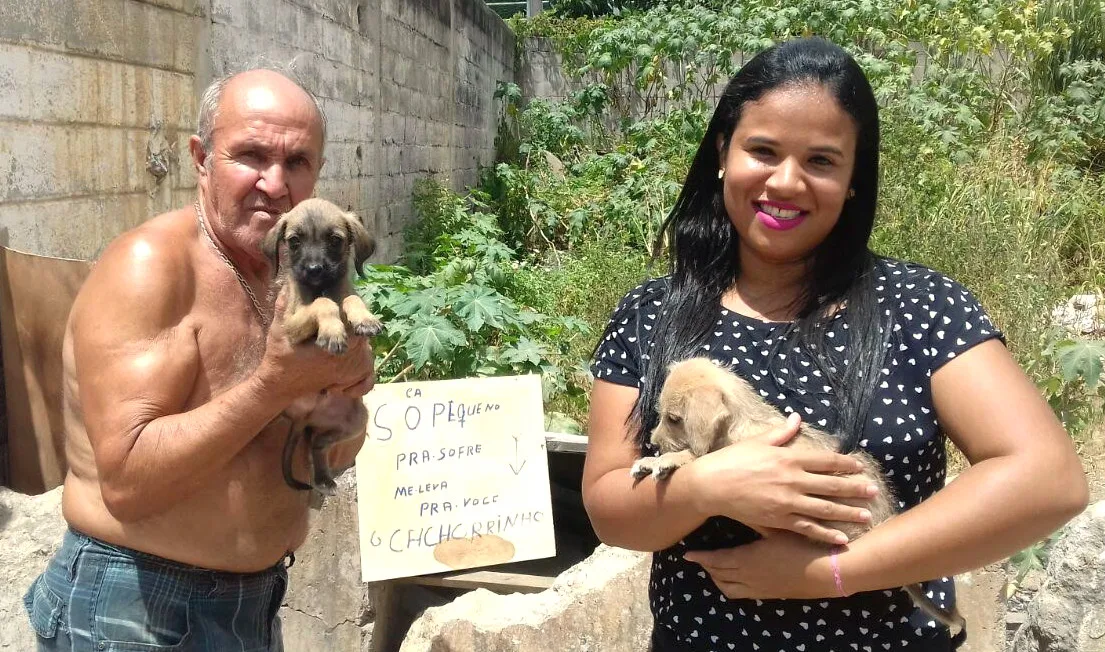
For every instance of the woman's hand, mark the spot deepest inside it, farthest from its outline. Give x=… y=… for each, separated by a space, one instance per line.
x=767 y=486
x=783 y=565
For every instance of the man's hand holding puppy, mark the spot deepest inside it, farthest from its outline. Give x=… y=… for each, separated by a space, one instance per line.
x=304 y=370
x=294 y=370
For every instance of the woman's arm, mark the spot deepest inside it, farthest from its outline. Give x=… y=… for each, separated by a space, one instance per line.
x=1024 y=482
x=756 y=482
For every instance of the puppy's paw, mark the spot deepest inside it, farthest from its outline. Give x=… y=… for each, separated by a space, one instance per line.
x=664 y=468
x=333 y=342
x=369 y=326
x=326 y=487
x=642 y=468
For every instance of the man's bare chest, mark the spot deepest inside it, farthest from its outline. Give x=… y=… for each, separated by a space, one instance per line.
x=230 y=349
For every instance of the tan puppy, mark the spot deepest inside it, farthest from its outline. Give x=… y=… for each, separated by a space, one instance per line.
x=704 y=407
x=321 y=242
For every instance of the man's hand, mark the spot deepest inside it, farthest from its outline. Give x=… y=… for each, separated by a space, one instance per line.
x=294 y=370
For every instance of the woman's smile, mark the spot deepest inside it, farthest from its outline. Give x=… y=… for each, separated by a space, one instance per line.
x=779 y=216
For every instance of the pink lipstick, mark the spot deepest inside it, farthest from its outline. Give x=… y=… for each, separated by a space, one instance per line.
x=779 y=216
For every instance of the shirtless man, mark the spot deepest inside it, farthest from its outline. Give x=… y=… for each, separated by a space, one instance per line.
x=180 y=520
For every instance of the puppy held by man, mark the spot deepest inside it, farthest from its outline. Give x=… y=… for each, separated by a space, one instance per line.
x=322 y=247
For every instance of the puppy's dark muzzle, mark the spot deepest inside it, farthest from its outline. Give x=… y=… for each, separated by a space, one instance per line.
x=316 y=275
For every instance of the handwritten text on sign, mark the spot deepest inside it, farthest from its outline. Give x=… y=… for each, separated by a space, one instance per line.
x=453 y=475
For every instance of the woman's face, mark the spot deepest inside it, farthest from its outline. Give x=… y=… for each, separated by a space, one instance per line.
x=788 y=167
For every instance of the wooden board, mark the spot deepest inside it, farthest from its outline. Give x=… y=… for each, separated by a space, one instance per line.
x=559 y=442
x=454 y=475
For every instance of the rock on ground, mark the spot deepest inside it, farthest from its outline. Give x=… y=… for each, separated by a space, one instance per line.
x=30 y=532
x=1082 y=314
x=327 y=606
x=1068 y=612
x=598 y=605
x=979 y=599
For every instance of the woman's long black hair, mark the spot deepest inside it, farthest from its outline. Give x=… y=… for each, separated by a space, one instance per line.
x=705 y=259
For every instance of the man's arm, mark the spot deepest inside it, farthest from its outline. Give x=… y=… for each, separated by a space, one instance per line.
x=137 y=361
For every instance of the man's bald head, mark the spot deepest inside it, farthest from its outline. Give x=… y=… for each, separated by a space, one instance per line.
x=258 y=85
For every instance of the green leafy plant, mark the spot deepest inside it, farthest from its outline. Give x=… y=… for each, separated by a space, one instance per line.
x=1070 y=125
x=448 y=311
x=1077 y=29
x=1072 y=373
x=1032 y=558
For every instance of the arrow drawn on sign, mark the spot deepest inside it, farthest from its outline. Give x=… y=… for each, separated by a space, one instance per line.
x=520 y=466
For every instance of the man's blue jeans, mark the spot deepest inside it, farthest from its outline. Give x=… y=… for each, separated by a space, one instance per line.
x=97 y=596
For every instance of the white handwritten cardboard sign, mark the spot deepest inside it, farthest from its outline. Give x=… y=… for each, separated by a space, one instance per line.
x=453 y=475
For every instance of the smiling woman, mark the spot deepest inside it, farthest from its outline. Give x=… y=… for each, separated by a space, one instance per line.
x=787 y=167
x=772 y=277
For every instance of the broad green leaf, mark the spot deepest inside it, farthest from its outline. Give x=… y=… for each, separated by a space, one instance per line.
x=397 y=328
x=422 y=302
x=560 y=422
x=432 y=338
x=525 y=351
x=478 y=306
x=1083 y=359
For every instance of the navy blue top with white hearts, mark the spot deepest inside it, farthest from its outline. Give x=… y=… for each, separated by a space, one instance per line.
x=934 y=319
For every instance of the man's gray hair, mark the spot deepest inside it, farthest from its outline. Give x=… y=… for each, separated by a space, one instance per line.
x=213 y=94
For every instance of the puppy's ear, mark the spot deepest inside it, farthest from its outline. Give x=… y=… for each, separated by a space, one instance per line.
x=706 y=422
x=270 y=246
x=363 y=244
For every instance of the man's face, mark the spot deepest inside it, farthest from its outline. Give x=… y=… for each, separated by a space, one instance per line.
x=265 y=158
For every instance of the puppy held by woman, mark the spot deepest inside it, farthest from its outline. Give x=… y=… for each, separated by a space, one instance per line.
x=771 y=276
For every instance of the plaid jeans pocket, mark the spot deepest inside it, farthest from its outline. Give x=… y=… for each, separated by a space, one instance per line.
x=43 y=608
x=140 y=610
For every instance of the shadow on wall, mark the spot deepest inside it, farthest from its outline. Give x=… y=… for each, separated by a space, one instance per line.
x=36 y=293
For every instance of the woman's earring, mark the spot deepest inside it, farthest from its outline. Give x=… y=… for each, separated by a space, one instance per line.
x=851 y=193
x=721 y=173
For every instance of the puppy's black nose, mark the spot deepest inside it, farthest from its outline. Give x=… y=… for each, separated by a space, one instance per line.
x=313 y=270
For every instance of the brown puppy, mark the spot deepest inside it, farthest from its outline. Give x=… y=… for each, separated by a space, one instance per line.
x=704 y=407
x=321 y=241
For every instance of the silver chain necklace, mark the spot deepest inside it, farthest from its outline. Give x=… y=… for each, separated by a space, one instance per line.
x=233 y=268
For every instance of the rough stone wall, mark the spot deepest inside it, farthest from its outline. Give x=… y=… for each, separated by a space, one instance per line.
x=98 y=99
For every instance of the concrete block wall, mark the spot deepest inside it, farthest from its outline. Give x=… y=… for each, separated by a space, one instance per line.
x=333 y=48
x=416 y=109
x=98 y=99
x=541 y=74
x=95 y=98
x=483 y=55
